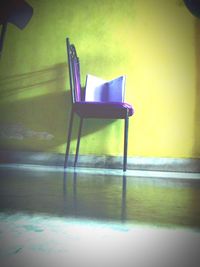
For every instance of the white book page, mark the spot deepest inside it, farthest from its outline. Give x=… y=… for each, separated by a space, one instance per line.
x=116 y=88
x=93 y=88
x=99 y=90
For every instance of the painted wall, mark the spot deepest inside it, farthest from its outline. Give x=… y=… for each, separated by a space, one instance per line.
x=156 y=43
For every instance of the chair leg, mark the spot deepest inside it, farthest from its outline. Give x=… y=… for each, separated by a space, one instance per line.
x=69 y=138
x=78 y=141
x=125 y=141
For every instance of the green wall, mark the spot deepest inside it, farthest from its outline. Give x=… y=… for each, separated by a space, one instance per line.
x=156 y=43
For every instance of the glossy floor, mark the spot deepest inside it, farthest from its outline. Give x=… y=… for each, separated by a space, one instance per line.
x=93 y=217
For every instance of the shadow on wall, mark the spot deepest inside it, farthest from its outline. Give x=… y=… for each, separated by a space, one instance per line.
x=197 y=99
x=35 y=110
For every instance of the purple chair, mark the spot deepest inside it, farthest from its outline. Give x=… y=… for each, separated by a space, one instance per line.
x=92 y=109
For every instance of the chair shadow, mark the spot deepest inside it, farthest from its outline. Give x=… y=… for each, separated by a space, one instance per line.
x=36 y=107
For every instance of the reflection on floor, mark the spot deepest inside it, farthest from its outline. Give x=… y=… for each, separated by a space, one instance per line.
x=93 y=217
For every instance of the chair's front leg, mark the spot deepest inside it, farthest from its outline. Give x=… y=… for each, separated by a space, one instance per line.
x=78 y=141
x=125 y=141
x=69 y=138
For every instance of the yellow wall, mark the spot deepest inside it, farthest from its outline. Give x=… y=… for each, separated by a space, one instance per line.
x=154 y=42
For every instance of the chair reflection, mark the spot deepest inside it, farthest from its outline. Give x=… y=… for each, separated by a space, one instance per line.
x=73 y=203
x=74 y=191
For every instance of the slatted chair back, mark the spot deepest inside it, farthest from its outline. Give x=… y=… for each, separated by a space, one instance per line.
x=74 y=73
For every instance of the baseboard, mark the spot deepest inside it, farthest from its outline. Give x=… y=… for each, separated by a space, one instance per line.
x=133 y=163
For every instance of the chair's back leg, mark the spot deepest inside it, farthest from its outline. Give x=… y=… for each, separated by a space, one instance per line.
x=125 y=141
x=78 y=141
x=69 y=138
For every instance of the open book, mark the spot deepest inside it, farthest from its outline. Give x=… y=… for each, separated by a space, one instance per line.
x=99 y=90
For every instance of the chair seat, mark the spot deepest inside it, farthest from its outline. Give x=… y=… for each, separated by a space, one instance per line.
x=112 y=110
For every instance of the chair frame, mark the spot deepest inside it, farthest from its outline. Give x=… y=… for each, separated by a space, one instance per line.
x=73 y=59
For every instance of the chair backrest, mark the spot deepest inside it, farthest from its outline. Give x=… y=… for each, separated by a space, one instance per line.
x=74 y=72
